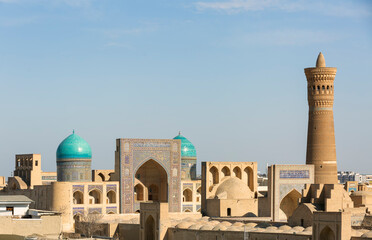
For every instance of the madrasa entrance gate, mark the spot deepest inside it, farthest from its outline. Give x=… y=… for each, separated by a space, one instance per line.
x=149 y=170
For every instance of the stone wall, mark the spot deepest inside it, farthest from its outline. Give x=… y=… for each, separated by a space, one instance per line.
x=46 y=225
x=187 y=234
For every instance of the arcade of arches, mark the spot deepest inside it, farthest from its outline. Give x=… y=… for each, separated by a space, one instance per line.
x=151 y=182
x=245 y=173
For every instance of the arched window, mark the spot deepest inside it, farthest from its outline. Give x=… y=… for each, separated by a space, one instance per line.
x=225 y=172
x=214 y=174
x=111 y=197
x=248 y=171
x=78 y=197
x=237 y=172
x=153 y=193
x=95 y=197
x=138 y=192
x=198 y=194
x=187 y=195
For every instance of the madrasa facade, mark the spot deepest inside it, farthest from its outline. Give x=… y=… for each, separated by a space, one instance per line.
x=145 y=170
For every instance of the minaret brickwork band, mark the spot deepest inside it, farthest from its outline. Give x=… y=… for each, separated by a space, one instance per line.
x=321 y=146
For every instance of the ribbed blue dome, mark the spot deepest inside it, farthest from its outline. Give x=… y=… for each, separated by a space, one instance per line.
x=74 y=147
x=187 y=148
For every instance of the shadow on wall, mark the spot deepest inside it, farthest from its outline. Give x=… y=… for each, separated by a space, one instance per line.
x=250 y=214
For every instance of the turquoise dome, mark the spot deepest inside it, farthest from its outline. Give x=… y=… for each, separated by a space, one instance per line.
x=74 y=147
x=187 y=148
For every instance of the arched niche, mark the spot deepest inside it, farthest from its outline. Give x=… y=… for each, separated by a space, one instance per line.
x=95 y=197
x=153 y=177
x=289 y=204
x=111 y=196
x=138 y=192
x=248 y=177
x=327 y=234
x=214 y=176
x=150 y=228
x=78 y=197
x=187 y=195
x=225 y=172
x=237 y=172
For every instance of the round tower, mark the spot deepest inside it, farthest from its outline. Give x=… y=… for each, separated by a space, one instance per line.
x=74 y=158
x=321 y=146
x=188 y=158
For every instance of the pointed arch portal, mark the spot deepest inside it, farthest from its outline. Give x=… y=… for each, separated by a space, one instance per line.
x=150 y=228
x=289 y=203
x=327 y=234
x=153 y=178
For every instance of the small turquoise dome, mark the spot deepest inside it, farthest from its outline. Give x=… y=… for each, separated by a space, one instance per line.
x=74 y=147
x=187 y=148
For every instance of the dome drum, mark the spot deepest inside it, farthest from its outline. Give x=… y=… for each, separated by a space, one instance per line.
x=74 y=160
x=188 y=158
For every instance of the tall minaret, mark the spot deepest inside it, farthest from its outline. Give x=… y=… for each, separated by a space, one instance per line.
x=321 y=146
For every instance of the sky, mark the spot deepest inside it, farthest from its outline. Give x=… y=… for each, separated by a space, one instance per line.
x=228 y=74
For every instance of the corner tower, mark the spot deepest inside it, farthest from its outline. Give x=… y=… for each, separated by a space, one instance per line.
x=321 y=146
x=74 y=158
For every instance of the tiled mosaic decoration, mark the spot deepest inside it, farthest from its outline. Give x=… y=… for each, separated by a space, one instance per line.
x=294 y=174
x=78 y=188
x=134 y=153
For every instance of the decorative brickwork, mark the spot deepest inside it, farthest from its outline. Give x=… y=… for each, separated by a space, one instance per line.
x=78 y=188
x=136 y=152
x=111 y=210
x=98 y=187
x=95 y=210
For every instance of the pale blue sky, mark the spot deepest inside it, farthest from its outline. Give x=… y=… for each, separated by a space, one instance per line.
x=228 y=74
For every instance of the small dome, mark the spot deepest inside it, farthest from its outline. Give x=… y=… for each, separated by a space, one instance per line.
x=187 y=148
x=207 y=227
x=74 y=147
x=184 y=225
x=219 y=228
x=233 y=188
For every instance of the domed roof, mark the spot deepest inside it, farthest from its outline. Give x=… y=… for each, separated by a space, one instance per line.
x=187 y=148
x=74 y=147
x=233 y=188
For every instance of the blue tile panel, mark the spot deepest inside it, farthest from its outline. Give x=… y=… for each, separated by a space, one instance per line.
x=294 y=174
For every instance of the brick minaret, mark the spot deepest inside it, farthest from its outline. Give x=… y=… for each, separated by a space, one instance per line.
x=321 y=146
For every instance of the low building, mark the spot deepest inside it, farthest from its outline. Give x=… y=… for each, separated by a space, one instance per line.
x=14 y=205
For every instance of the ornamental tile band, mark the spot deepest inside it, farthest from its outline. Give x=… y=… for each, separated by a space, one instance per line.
x=111 y=187
x=93 y=210
x=77 y=210
x=78 y=188
x=98 y=187
x=294 y=174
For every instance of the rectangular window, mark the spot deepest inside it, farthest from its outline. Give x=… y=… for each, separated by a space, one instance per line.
x=36 y=163
x=10 y=209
